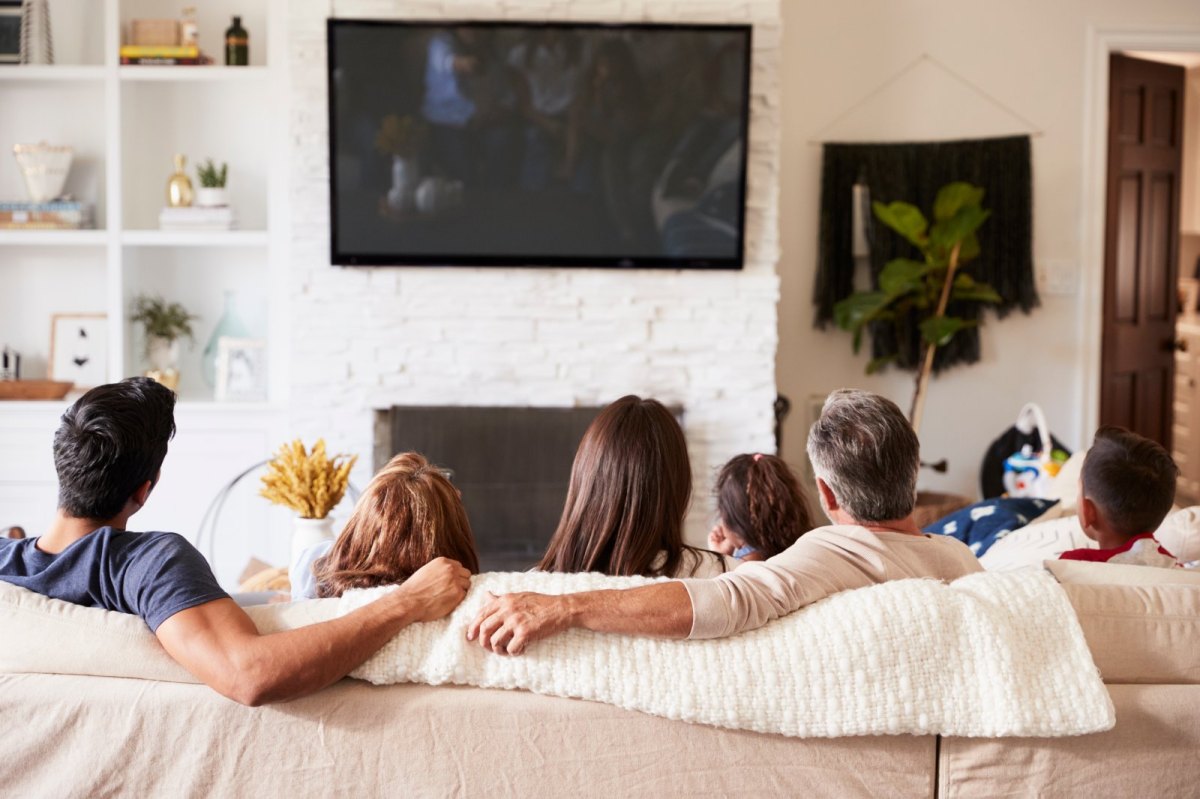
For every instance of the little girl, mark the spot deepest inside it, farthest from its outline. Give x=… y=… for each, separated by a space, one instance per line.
x=760 y=508
x=409 y=514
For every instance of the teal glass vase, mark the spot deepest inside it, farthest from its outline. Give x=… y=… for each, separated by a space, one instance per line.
x=230 y=325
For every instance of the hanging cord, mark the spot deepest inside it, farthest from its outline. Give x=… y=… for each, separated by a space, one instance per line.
x=212 y=516
x=1034 y=130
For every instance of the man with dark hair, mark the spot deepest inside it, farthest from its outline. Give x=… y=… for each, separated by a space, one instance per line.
x=865 y=456
x=1126 y=490
x=108 y=452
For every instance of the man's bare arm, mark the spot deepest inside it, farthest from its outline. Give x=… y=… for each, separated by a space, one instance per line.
x=511 y=622
x=219 y=644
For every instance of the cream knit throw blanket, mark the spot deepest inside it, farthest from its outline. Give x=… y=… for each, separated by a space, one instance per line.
x=989 y=655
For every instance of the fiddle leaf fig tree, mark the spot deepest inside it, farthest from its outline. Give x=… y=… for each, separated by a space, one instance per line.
x=915 y=293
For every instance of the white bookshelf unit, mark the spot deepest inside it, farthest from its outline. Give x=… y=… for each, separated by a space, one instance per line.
x=126 y=123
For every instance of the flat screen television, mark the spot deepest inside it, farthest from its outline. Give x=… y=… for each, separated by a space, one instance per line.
x=519 y=144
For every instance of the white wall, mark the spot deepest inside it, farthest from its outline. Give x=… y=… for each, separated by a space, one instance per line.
x=1030 y=56
x=370 y=338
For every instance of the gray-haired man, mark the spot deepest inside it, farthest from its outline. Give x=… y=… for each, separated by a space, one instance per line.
x=865 y=456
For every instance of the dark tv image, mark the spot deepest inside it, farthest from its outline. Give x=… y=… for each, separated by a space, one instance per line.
x=505 y=144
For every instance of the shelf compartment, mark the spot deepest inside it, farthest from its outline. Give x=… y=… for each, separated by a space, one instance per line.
x=196 y=238
x=190 y=74
x=54 y=238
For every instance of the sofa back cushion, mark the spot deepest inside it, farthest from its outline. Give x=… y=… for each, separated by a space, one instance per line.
x=48 y=636
x=1142 y=624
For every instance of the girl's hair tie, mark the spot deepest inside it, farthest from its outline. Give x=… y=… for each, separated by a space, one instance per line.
x=757 y=457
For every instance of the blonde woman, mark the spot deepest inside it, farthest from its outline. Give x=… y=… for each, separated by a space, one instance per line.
x=409 y=515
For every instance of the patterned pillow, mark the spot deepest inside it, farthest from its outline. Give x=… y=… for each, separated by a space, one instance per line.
x=984 y=523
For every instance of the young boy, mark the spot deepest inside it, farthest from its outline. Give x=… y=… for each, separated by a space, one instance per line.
x=1126 y=490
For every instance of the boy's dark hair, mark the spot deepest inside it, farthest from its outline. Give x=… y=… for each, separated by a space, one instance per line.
x=759 y=498
x=1131 y=480
x=112 y=440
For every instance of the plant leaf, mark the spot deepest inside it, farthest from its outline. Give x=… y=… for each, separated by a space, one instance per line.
x=975 y=292
x=859 y=308
x=938 y=330
x=904 y=275
x=904 y=218
x=876 y=365
x=947 y=233
x=952 y=197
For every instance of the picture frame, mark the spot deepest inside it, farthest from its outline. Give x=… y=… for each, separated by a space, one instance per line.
x=10 y=31
x=79 y=349
x=241 y=370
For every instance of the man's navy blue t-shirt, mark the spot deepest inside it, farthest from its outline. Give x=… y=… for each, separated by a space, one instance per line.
x=152 y=575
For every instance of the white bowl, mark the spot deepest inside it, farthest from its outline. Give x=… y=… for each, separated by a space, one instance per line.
x=45 y=167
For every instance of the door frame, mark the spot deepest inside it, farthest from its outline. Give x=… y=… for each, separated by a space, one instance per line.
x=1101 y=43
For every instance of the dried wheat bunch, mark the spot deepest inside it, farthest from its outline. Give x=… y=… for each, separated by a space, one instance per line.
x=310 y=483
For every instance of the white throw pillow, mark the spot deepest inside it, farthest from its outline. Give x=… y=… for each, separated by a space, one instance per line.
x=1034 y=543
x=1180 y=534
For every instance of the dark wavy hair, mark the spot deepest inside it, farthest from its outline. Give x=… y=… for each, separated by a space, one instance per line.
x=630 y=487
x=759 y=498
x=1130 y=479
x=112 y=440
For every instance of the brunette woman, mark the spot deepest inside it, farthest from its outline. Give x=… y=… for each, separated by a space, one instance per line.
x=629 y=491
x=409 y=514
x=760 y=508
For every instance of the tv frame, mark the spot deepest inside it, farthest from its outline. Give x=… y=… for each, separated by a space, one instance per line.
x=339 y=257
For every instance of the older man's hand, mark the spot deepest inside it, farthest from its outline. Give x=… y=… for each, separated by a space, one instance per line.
x=509 y=623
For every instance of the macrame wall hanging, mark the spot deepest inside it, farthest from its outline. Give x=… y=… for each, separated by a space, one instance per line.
x=856 y=174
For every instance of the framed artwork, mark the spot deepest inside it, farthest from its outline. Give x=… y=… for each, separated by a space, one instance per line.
x=10 y=31
x=79 y=349
x=241 y=369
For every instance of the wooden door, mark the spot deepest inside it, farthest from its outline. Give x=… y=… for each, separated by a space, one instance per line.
x=1141 y=248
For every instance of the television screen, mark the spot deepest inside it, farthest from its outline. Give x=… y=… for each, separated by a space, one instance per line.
x=538 y=144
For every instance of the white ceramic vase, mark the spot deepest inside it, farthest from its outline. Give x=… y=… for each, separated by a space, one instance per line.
x=212 y=198
x=162 y=353
x=306 y=532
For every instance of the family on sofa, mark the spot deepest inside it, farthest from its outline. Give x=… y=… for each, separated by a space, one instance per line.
x=629 y=489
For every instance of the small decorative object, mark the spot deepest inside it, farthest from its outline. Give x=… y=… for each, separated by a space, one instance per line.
x=197 y=218
x=189 y=31
x=212 y=185
x=241 y=370
x=311 y=484
x=179 y=187
x=10 y=31
x=154 y=32
x=10 y=364
x=79 y=349
x=37 y=40
x=163 y=324
x=44 y=167
x=1189 y=292
x=55 y=215
x=914 y=294
x=237 y=45
x=230 y=325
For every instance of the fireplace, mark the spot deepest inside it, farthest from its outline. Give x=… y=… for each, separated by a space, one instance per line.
x=512 y=466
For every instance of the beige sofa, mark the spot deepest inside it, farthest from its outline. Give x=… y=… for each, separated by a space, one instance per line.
x=69 y=735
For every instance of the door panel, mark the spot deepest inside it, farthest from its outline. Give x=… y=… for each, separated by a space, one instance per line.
x=1141 y=247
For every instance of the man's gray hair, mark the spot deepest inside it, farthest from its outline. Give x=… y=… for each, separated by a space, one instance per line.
x=865 y=450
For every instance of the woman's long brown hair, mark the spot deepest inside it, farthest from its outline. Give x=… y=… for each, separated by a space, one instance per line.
x=759 y=498
x=630 y=487
x=409 y=515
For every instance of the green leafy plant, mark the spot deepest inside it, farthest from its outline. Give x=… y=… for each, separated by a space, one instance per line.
x=160 y=319
x=916 y=292
x=210 y=176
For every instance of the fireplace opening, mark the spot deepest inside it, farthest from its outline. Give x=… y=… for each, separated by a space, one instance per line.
x=512 y=466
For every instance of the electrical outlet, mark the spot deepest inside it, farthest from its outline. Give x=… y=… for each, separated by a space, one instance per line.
x=1057 y=276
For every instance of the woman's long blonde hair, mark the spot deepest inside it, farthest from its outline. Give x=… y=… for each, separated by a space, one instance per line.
x=408 y=515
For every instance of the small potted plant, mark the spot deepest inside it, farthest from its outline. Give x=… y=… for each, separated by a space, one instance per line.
x=312 y=484
x=212 y=185
x=163 y=324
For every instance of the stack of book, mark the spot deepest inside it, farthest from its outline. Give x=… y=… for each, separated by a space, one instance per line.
x=53 y=215
x=160 y=55
x=221 y=218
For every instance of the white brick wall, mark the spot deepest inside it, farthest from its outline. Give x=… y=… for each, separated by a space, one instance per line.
x=370 y=338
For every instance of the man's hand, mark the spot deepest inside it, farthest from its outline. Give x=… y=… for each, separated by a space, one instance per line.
x=509 y=623
x=436 y=588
